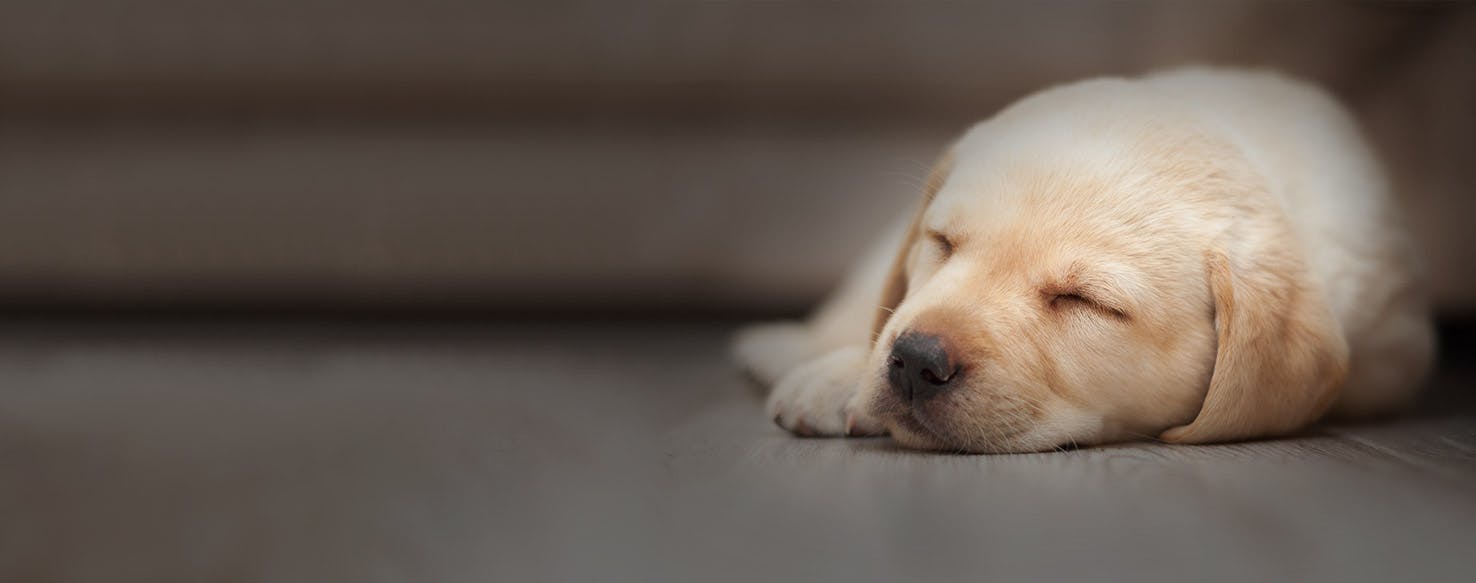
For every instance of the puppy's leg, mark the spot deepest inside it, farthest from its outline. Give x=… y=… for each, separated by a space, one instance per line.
x=1390 y=364
x=817 y=367
x=825 y=397
x=770 y=351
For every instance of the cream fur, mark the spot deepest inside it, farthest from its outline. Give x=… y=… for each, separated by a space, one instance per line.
x=1194 y=256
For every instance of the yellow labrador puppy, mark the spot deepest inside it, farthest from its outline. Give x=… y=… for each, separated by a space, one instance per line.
x=1194 y=256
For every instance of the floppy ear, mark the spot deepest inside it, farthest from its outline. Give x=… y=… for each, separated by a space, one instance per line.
x=895 y=287
x=1281 y=356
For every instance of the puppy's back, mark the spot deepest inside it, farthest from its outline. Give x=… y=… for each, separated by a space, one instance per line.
x=1326 y=176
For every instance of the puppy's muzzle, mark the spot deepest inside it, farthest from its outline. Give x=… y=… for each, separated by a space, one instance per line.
x=920 y=367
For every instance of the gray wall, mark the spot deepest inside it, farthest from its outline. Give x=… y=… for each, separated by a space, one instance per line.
x=708 y=156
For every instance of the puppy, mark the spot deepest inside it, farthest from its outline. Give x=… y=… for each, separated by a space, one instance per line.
x=1194 y=256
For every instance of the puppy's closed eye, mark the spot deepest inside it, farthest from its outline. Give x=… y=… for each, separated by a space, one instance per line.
x=942 y=243
x=1075 y=299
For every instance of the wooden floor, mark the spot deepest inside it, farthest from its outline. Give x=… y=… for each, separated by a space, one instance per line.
x=137 y=451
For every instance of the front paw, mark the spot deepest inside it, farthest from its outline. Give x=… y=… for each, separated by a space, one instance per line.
x=824 y=397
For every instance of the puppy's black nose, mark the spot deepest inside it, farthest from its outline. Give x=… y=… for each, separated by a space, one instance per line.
x=920 y=366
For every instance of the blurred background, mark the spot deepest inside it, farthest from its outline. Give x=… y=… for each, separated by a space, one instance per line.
x=598 y=157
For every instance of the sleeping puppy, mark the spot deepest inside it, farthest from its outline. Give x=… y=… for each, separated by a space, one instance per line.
x=1195 y=256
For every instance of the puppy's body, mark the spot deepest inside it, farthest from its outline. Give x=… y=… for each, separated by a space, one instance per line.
x=1197 y=255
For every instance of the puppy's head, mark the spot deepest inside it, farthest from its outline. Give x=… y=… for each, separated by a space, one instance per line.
x=1098 y=279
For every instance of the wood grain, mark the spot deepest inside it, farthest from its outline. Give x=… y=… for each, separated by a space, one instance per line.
x=450 y=452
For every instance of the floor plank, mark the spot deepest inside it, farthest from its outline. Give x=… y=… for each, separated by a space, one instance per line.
x=366 y=452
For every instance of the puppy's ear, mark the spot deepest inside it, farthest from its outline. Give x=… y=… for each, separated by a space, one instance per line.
x=1281 y=356
x=895 y=287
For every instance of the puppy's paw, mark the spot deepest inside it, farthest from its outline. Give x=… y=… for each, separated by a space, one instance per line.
x=769 y=351
x=824 y=398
